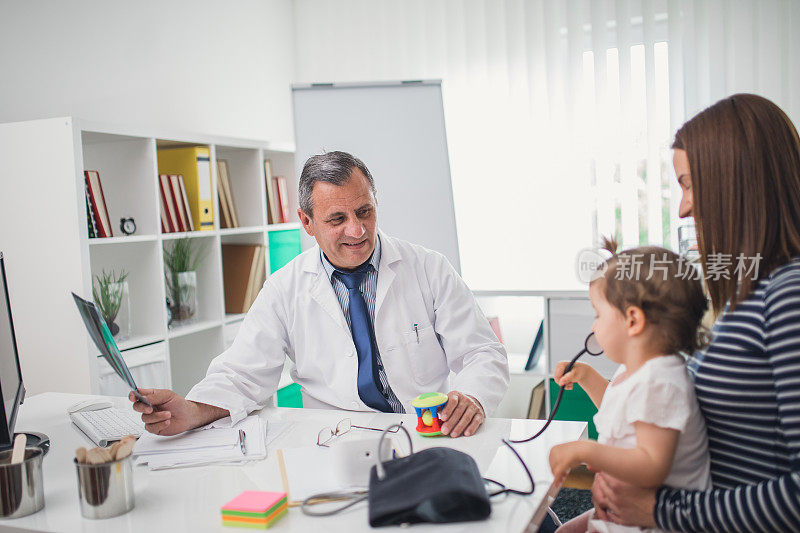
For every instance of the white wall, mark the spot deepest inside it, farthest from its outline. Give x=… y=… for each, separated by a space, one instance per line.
x=202 y=66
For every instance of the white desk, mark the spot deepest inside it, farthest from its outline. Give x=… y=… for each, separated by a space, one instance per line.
x=189 y=499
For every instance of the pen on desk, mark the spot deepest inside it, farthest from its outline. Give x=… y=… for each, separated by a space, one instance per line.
x=241 y=442
x=416 y=330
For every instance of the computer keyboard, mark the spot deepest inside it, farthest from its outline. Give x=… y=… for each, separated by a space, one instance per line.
x=107 y=425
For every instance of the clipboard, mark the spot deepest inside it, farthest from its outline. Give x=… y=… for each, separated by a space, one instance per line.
x=101 y=335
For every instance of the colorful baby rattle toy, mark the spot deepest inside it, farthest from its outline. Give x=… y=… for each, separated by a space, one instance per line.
x=426 y=405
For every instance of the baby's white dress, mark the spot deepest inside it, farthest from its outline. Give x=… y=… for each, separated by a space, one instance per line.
x=660 y=393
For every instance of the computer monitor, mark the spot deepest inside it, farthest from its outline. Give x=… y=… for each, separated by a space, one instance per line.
x=12 y=390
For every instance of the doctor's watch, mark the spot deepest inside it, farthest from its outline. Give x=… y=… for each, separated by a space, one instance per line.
x=127 y=225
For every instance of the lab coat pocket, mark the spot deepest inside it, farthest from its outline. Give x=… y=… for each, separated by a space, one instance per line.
x=425 y=355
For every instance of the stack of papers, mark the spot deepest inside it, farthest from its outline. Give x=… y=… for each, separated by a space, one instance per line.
x=203 y=446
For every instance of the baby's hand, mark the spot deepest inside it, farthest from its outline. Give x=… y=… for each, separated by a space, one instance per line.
x=573 y=376
x=564 y=457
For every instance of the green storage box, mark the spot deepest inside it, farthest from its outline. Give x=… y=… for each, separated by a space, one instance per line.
x=575 y=405
x=290 y=396
x=284 y=245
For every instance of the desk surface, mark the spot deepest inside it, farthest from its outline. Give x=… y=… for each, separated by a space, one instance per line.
x=189 y=499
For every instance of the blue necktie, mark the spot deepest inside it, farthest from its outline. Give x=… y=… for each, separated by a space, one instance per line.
x=363 y=338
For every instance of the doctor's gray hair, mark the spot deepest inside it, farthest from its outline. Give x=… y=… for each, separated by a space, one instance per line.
x=330 y=167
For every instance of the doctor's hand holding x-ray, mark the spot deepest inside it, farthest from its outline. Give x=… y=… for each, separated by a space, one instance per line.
x=368 y=322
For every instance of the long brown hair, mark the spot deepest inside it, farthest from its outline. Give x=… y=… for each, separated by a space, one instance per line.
x=744 y=159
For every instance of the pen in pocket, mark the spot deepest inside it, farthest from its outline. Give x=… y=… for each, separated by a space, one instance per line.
x=416 y=330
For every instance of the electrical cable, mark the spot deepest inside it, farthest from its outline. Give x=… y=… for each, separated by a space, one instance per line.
x=506 y=490
x=351 y=498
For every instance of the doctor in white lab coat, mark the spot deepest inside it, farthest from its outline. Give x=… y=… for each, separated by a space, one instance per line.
x=425 y=323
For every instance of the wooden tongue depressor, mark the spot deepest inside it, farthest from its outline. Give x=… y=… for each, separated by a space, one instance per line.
x=98 y=456
x=18 y=454
x=80 y=455
x=118 y=450
x=125 y=447
x=113 y=449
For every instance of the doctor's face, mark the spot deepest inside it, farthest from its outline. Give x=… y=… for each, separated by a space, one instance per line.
x=344 y=220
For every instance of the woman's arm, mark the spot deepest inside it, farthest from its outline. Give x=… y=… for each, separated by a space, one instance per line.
x=584 y=375
x=769 y=506
x=647 y=465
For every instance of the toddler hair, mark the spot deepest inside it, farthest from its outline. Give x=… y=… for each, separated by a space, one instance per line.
x=665 y=286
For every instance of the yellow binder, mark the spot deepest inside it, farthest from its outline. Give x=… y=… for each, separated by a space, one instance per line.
x=194 y=164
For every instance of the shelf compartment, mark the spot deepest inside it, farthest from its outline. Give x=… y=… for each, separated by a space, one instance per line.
x=209 y=276
x=142 y=262
x=246 y=177
x=282 y=165
x=125 y=165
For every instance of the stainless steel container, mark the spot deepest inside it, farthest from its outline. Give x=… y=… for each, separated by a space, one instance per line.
x=21 y=485
x=105 y=490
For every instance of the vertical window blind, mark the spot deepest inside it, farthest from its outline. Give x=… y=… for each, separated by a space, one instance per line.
x=560 y=114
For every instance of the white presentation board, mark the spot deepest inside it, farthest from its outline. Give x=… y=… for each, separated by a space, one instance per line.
x=398 y=131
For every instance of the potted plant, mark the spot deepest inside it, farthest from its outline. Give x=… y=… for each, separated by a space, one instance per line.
x=110 y=292
x=181 y=261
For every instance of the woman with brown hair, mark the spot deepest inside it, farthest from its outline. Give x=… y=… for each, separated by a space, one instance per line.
x=738 y=165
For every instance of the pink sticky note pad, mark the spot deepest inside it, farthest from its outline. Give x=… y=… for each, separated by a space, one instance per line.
x=254 y=501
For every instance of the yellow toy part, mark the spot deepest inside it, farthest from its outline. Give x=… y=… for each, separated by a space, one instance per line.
x=429 y=399
x=427 y=418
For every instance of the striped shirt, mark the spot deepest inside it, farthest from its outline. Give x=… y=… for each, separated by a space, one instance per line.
x=368 y=289
x=748 y=388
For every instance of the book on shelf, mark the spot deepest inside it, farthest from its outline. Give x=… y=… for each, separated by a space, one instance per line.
x=90 y=220
x=283 y=199
x=194 y=164
x=536 y=408
x=167 y=202
x=225 y=220
x=272 y=197
x=185 y=199
x=163 y=212
x=256 y=279
x=224 y=186
x=180 y=210
x=240 y=272
x=98 y=203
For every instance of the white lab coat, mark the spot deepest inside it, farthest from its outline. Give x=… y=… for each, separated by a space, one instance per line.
x=297 y=315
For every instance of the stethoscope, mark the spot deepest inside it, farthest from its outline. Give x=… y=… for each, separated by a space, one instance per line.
x=590 y=346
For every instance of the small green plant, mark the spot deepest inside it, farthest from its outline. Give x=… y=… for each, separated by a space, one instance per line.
x=108 y=293
x=182 y=256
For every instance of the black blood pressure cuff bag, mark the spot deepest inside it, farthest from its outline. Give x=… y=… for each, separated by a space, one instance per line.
x=434 y=485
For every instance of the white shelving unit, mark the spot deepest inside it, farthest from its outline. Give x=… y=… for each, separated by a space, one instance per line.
x=53 y=154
